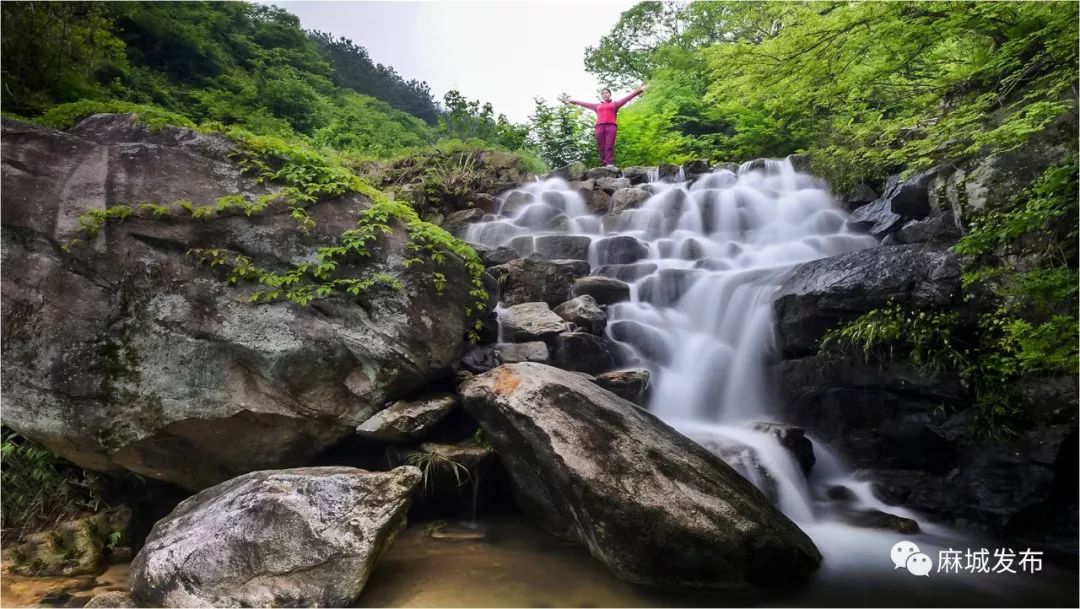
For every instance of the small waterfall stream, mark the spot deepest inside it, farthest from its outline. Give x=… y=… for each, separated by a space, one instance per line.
x=704 y=260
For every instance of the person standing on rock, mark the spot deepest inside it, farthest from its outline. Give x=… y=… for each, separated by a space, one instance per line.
x=606 y=111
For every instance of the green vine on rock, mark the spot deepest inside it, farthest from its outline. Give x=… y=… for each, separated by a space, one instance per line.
x=307 y=177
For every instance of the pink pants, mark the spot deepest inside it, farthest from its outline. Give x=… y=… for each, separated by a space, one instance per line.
x=605 y=142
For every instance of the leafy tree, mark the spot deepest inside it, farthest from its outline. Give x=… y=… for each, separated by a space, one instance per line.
x=562 y=134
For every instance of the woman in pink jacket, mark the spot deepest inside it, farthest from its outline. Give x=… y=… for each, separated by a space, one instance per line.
x=605 y=121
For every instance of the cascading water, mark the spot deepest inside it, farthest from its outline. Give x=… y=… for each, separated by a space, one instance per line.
x=704 y=261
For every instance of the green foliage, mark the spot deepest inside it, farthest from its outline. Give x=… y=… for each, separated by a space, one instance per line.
x=562 y=134
x=1040 y=223
x=430 y=462
x=866 y=88
x=40 y=488
x=64 y=116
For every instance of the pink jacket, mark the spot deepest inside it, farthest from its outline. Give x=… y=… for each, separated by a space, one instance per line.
x=606 y=111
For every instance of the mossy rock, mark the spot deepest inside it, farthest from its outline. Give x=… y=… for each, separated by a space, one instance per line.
x=73 y=547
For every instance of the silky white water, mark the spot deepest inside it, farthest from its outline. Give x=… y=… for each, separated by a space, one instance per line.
x=704 y=260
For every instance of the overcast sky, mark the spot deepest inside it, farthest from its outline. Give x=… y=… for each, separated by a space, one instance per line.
x=504 y=52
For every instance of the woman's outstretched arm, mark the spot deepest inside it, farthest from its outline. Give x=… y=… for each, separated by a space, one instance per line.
x=639 y=91
x=581 y=103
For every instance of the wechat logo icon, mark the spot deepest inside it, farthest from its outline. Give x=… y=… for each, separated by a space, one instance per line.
x=906 y=555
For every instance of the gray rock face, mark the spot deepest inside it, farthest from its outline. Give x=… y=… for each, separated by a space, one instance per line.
x=598 y=173
x=407 y=420
x=297 y=537
x=620 y=250
x=859 y=195
x=627 y=272
x=638 y=175
x=458 y=222
x=128 y=353
x=532 y=280
x=911 y=197
x=585 y=313
x=592 y=467
x=611 y=185
x=604 y=290
x=939 y=227
x=628 y=198
x=794 y=440
x=481 y=358
x=553 y=247
x=630 y=385
x=498 y=255
x=668 y=286
x=819 y=295
x=875 y=218
x=530 y=321
x=583 y=352
x=535 y=351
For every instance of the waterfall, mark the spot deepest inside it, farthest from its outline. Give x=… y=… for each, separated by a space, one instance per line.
x=704 y=260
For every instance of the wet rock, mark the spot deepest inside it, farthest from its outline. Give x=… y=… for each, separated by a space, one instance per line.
x=553 y=247
x=457 y=478
x=543 y=218
x=598 y=173
x=732 y=167
x=876 y=519
x=638 y=175
x=668 y=286
x=458 y=222
x=627 y=272
x=484 y=202
x=275 y=538
x=940 y=227
x=598 y=201
x=530 y=321
x=621 y=250
x=480 y=358
x=604 y=290
x=745 y=460
x=515 y=202
x=530 y=280
x=572 y=172
x=911 y=197
x=512 y=353
x=153 y=353
x=612 y=185
x=668 y=172
x=582 y=352
x=628 y=198
x=794 y=440
x=498 y=255
x=821 y=294
x=630 y=385
x=585 y=313
x=800 y=162
x=875 y=218
x=859 y=195
x=407 y=420
x=840 y=493
x=646 y=340
x=710 y=527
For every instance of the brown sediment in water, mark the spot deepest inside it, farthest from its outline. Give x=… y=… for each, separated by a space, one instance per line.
x=23 y=591
x=513 y=565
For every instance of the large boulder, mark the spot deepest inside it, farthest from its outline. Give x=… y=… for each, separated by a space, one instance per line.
x=530 y=321
x=604 y=290
x=654 y=506
x=631 y=385
x=821 y=294
x=298 y=537
x=583 y=352
x=531 y=280
x=585 y=313
x=621 y=250
x=129 y=353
